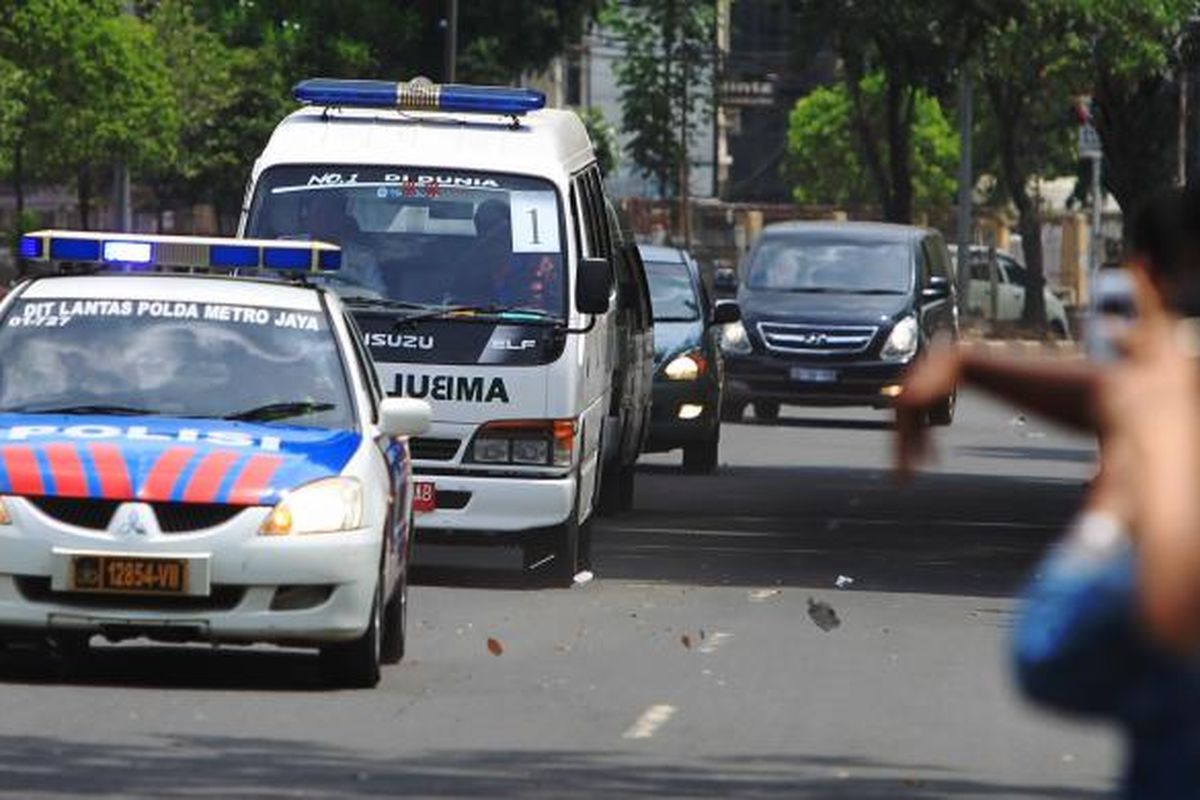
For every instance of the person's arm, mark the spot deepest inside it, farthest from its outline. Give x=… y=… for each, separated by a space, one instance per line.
x=1060 y=391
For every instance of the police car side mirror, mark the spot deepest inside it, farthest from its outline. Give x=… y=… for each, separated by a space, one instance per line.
x=593 y=286
x=404 y=416
x=725 y=312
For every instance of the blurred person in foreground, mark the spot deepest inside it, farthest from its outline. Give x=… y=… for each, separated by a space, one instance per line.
x=1110 y=624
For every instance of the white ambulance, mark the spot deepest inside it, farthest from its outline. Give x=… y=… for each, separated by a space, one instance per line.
x=482 y=264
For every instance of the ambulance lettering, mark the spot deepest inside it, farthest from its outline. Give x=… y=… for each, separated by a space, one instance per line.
x=459 y=388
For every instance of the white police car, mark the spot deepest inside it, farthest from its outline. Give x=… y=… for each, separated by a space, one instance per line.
x=193 y=457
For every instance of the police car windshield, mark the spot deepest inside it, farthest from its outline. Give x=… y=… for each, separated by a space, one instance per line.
x=437 y=238
x=172 y=358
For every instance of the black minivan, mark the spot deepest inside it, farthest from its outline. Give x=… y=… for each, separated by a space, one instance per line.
x=833 y=313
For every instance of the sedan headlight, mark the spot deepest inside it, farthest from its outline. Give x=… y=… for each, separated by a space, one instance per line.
x=685 y=367
x=325 y=506
x=735 y=340
x=902 y=343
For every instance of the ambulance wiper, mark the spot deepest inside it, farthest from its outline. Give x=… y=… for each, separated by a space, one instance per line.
x=86 y=408
x=490 y=312
x=361 y=301
x=276 y=411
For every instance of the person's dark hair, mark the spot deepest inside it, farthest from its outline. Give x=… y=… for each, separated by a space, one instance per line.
x=1165 y=233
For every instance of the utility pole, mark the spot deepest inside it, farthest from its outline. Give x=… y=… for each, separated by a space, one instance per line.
x=122 y=205
x=965 y=183
x=450 y=70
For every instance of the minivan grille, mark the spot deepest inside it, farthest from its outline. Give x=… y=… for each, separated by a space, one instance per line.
x=818 y=339
x=426 y=448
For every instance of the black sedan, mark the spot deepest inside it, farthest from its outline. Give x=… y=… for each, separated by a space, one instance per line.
x=688 y=366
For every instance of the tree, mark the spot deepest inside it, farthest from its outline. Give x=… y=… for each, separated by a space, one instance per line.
x=828 y=166
x=604 y=138
x=914 y=45
x=666 y=82
x=1031 y=66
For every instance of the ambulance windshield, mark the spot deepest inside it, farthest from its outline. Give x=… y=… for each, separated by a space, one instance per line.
x=436 y=238
x=171 y=358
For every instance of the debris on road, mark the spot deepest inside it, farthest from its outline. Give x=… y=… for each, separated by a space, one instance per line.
x=762 y=595
x=686 y=641
x=823 y=615
x=843 y=581
x=584 y=577
x=1018 y=420
x=494 y=647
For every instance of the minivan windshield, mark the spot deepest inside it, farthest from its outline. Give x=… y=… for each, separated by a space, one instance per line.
x=434 y=238
x=172 y=358
x=672 y=294
x=817 y=264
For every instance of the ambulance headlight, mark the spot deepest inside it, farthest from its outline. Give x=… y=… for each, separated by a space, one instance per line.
x=735 y=340
x=525 y=442
x=325 y=506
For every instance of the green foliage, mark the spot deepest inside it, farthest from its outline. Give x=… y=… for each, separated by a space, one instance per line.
x=665 y=79
x=826 y=162
x=603 y=136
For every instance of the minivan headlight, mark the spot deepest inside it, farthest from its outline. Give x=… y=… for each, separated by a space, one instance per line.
x=902 y=342
x=735 y=339
x=325 y=506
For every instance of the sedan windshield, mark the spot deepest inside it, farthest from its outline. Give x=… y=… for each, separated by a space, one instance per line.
x=811 y=264
x=178 y=359
x=672 y=294
x=448 y=238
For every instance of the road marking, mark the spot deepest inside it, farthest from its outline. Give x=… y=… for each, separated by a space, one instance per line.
x=715 y=641
x=650 y=721
x=763 y=595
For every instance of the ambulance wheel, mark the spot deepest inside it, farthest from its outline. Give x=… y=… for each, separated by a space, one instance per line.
x=616 y=490
x=567 y=539
x=395 y=623
x=355 y=664
x=766 y=410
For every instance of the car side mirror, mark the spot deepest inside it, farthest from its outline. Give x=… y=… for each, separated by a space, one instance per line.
x=725 y=281
x=937 y=289
x=404 y=416
x=593 y=286
x=725 y=312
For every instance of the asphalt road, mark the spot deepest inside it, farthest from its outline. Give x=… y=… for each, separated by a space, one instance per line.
x=688 y=668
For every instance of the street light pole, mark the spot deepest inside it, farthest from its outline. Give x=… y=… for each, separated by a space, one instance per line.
x=965 y=193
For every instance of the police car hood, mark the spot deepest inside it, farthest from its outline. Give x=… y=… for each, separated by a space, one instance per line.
x=159 y=459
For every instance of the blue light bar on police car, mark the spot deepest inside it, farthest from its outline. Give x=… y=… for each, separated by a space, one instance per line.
x=188 y=252
x=419 y=95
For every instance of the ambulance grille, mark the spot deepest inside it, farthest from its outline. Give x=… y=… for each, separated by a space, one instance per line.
x=426 y=448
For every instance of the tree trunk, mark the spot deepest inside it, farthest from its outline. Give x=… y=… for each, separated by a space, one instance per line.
x=84 y=191
x=898 y=108
x=18 y=173
x=1029 y=225
x=868 y=141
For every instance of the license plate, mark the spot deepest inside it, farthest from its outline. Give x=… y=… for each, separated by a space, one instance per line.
x=424 y=496
x=128 y=574
x=806 y=375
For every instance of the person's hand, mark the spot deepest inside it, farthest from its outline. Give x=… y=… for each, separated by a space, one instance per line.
x=930 y=381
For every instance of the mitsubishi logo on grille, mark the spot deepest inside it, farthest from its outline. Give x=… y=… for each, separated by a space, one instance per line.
x=134 y=519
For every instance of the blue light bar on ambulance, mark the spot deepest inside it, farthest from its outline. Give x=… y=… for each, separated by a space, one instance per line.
x=133 y=251
x=419 y=95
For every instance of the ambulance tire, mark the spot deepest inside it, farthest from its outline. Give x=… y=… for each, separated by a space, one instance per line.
x=616 y=490
x=355 y=664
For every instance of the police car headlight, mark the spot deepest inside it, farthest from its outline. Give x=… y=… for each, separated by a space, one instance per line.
x=902 y=343
x=735 y=340
x=685 y=367
x=325 y=506
x=5 y=519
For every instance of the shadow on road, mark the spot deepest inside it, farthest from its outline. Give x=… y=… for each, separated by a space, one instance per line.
x=185 y=766
x=847 y=424
x=1076 y=455
x=944 y=534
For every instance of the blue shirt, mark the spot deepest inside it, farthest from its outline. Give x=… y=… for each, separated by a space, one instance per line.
x=1079 y=647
